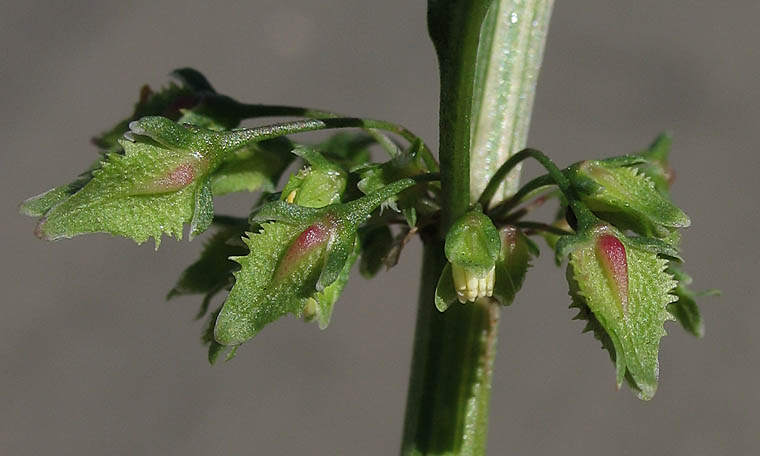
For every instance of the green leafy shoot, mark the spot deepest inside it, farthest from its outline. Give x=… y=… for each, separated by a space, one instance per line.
x=298 y=252
x=160 y=182
x=627 y=290
x=148 y=191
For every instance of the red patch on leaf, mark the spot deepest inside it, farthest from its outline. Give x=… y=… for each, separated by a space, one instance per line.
x=611 y=252
x=178 y=178
x=313 y=237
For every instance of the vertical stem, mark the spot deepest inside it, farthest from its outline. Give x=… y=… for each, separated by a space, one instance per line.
x=454 y=27
x=452 y=364
x=450 y=384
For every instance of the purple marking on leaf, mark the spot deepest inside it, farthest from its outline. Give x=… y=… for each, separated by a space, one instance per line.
x=611 y=253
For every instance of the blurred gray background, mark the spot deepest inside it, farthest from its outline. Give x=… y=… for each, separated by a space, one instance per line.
x=93 y=360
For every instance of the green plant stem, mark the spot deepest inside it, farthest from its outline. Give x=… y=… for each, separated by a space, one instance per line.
x=449 y=387
x=452 y=362
x=501 y=173
x=450 y=384
x=454 y=27
x=524 y=191
x=246 y=135
x=539 y=226
x=373 y=127
x=582 y=213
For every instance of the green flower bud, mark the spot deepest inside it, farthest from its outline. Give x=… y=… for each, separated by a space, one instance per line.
x=472 y=248
x=617 y=192
x=317 y=185
x=485 y=262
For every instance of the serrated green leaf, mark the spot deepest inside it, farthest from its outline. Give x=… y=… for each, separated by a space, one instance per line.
x=304 y=251
x=627 y=290
x=147 y=192
x=157 y=185
x=627 y=198
x=610 y=341
x=170 y=102
x=270 y=283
